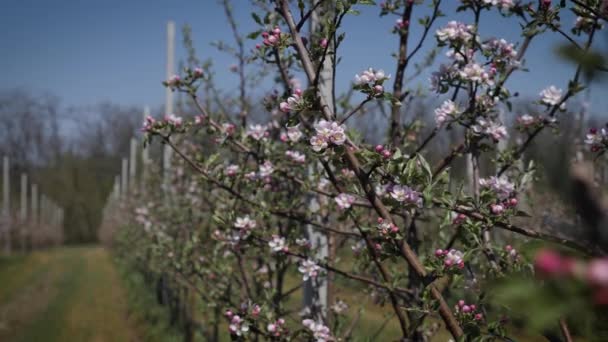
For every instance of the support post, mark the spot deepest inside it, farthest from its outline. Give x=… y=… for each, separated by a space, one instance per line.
x=167 y=151
x=124 y=177
x=319 y=240
x=145 y=156
x=133 y=165
x=23 y=213
x=6 y=204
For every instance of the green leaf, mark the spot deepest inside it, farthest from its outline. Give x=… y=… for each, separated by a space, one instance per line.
x=256 y=18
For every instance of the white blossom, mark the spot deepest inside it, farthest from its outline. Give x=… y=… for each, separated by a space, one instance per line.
x=344 y=201
x=257 y=132
x=309 y=269
x=266 y=169
x=320 y=332
x=406 y=194
x=442 y=114
x=551 y=96
x=277 y=244
x=500 y=186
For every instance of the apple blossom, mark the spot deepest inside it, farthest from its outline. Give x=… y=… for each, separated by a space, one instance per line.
x=294 y=134
x=597 y=272
x=277 y=244
x=231 y=170
x=344 y=201
x=148 y=124
x=320 y=332
x=174 y=120
x=309 y=269
x=500 y=186
x=405 y=194
x=475 y=73
x=442 y=114
x=244 y=223
x=256 y=132
x=296 y=156
x=238 y=326
x=371 y=77
x=526 y=120
x=551 y=96
x=455 y=32
x=266 y=169
x=454 y=258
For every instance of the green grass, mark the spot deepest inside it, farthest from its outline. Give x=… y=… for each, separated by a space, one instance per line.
x=67 y=294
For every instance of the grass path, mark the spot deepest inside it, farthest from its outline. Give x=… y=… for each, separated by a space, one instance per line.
x=66 y=294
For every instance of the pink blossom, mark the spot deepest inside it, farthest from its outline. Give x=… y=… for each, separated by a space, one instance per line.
x=371 y=77
x=497 y=209
x=296 y=156
x=344 y=201
x=455 y=32
x=148 y=124
x=500 y=186
x=548 y=262
x=597 y=272
x=231 y=170
x=256 y=132
x=174 y=120
x=405 y=194
x=447 y=110
x=294 y=134
x=320 y=332
x=266 y=169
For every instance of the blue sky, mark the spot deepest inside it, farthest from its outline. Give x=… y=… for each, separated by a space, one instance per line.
x=87 y=51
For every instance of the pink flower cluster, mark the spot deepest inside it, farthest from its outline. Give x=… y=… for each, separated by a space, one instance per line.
x=551 y=264
x=503 y=52
x=499 y=185
x=451 y=258
x=296 y=156
x=386 y=227
x=370 y=81
x=344 y=201
x=238 y=326
x=448 y=110
x=386 y=153
x=271 y=38
x=277 y=328
x=467 y=311
x=327 y=132
x=405 y=194
x=455 y=32
x=171 y=120
x=500 y=207
x=257 y=132
x=294 y=102
x=320 y=332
